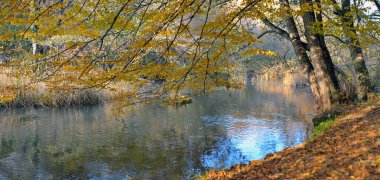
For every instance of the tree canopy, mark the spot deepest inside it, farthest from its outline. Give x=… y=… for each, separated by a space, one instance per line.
x=190 y=44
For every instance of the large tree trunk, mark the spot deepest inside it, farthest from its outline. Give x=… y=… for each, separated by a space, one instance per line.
x=362 y=75
x=326 y=54
x=302 y=55
x=321 y=60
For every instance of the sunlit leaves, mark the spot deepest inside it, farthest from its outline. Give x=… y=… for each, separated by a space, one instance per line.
x=93 y=44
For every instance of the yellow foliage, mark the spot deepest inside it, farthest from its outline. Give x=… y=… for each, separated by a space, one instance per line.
x=93 y=44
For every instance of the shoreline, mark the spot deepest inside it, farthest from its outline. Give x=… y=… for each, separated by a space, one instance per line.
x=348 y=148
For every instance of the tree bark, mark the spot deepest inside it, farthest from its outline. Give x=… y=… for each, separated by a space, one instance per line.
x=321 y=59
x=34 y=48
x=303 y=57
x=337 y=93
x=362 y=75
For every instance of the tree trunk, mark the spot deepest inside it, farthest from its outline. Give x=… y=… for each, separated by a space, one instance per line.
x=362 y=75
x=301 y=53
x=327 y=79
x=34 y=48
x=321 y=59
x=337 y=91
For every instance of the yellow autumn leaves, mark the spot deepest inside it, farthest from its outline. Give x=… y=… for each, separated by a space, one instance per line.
x=95 y=43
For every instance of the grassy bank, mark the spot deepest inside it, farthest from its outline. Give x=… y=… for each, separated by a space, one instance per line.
x=344 y=147
x=21 y=91
x=48 y=99
x=40 y=95
x=323 y=126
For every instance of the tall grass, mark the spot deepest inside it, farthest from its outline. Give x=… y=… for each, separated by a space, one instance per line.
x=38 y=95
x=33 y=98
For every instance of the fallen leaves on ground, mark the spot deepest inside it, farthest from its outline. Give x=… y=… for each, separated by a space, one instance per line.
x=348 y=150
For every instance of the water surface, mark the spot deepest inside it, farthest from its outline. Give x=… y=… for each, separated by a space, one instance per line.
x=159 y=142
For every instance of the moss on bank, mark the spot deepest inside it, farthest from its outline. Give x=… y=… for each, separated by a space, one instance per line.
x=322 y=127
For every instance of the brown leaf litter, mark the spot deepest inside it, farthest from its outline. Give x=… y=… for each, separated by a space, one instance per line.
x=348 y=150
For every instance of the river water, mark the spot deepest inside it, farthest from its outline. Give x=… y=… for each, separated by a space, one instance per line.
x=158 y=142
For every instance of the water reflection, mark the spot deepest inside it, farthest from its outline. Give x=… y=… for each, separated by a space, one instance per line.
x=219 y=131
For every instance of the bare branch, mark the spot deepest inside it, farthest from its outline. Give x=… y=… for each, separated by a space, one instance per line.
x=112 y=24
x=281 y=32
x=336 y=37
x=265 y=33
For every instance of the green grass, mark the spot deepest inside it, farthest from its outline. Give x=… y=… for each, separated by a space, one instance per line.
x=321 y=128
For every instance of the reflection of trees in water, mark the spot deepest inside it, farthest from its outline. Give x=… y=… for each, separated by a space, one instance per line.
x=160 y=149
x=174 y=155
x=18 y=150
x=223 y=154
x=159 y=141
x=300 y=103
x=301 y=100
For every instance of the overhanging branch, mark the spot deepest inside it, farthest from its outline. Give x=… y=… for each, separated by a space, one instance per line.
x=336 y=37
x=280 y=32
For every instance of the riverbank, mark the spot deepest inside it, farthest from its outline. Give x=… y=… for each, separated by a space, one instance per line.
x=22 y=92
x=349 y=149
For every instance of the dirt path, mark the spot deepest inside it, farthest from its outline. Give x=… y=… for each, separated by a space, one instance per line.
x=348 y=150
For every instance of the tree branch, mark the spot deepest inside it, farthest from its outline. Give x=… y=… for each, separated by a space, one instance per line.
x=265 y=33
x=281 y=32
x=337 y=11
x=336 y=37
x=112 y=24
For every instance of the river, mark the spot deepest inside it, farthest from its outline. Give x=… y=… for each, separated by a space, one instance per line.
x=158 y=141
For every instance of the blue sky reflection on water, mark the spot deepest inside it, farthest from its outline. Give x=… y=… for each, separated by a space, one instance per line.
x=252 y=139
x=217 y=131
